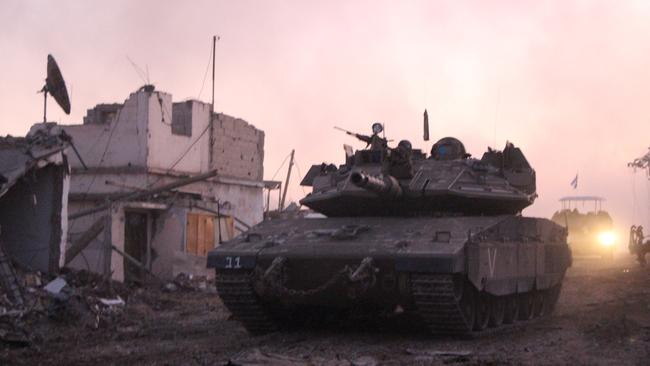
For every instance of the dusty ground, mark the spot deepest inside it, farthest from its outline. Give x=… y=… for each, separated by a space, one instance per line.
x=603 y=317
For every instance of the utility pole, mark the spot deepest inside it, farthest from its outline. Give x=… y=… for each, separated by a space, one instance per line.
x=211 y=137
x=286 y=182
x=108 y=240
x=214 y=48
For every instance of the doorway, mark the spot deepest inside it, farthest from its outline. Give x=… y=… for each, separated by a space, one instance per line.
x=135 y=244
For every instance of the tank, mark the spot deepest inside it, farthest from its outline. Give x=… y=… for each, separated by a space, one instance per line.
x=591 y=233
x=438 y=238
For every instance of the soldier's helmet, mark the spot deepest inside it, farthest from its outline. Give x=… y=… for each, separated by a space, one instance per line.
x=448 y=148
x=377 y=128
x=405 y=145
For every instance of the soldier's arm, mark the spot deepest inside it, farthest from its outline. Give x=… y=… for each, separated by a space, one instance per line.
x=364 y=138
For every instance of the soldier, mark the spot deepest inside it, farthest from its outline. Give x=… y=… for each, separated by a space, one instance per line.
x=374 y=141
x=642 y=248
x=399 y=161
x=631 y=245
x=637 y=246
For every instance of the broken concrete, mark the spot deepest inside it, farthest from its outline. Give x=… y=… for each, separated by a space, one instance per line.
x=34 y=183
x=146 y=142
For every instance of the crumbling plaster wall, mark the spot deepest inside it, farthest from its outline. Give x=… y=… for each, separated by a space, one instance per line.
x=122 y=143
x=246 y=201
x=32 y=218
x=92 y=258
x=165 y=148
x=169 y=243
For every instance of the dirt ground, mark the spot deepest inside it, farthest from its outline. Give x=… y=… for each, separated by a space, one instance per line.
x=602 y=318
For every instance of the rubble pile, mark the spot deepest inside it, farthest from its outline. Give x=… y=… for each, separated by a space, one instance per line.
x=82 y=299
x=74 y=298
x=189 y=282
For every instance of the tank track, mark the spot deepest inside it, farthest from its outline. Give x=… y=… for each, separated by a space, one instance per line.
x=438 y=305
x=236 y=291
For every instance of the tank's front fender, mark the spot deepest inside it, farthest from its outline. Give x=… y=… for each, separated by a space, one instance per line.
x=231 y=260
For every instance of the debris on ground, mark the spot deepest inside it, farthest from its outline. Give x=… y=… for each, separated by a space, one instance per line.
x=256 y=357
x=55 y=286
x=437 y=353
x=189 y=282
x=105 y=322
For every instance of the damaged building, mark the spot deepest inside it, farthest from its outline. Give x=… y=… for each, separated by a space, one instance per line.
x=169 y=180
x=34 y=183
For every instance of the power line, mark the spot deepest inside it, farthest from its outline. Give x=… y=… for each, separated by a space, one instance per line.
x=299 y=176
x=281 y=165
x=101 y=160
x=182 y=155
x=205 y=75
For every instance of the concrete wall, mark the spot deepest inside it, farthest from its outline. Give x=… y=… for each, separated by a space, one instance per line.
x=238 y=148
x=165 y=148
x=247 y=203
x=92 y=258
x=31 y=218
x=120 y=143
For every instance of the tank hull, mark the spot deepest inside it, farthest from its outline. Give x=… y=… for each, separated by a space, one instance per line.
x=447 y=271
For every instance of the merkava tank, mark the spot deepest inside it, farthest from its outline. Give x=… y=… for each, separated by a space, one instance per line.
x=439 y=237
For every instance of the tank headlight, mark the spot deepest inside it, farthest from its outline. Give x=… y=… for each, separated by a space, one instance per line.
x=607 y=238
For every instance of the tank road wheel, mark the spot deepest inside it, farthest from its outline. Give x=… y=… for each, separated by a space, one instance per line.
x=236 y=292
x=466 y=299
x=482 y=316
x=445 y=303
x=552 y=295
x=539 y=300
x=497 y=310
x=526 y=305
x=511 y=309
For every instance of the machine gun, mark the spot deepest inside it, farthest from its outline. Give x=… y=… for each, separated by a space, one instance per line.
x=374 y=141
x=344 y=130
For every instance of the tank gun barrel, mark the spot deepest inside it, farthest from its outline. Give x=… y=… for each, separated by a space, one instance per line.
x=385 y=186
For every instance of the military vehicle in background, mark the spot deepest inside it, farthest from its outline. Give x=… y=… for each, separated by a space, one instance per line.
x=440 y=237
x=591 y=233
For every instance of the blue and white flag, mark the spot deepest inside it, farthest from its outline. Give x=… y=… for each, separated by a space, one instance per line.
x=574 y=182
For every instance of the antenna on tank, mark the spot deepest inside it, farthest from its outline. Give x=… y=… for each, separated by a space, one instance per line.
x=426 y=125
x=55 y=86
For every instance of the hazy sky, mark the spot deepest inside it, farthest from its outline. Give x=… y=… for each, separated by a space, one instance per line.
x=569 y=82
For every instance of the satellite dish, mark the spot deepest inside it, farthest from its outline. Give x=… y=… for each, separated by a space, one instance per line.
x=55 y=85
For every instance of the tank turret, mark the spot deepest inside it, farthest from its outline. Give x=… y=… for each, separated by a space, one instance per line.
x=405 y=182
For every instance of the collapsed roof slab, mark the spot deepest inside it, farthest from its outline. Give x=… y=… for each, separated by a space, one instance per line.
x=34 y=184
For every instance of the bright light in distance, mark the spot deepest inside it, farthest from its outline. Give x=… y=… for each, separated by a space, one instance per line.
x=607 y=238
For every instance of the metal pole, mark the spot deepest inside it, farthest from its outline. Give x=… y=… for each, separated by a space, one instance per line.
x=133 y=260
x=149 y=192
x=286 y=183
x=268 y=200
x=44 y=105
x=219 y=220
x=108 y=246
x=211 y=121
x=214 y=47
